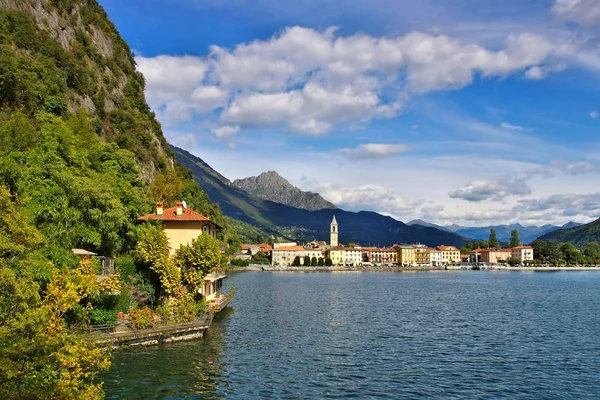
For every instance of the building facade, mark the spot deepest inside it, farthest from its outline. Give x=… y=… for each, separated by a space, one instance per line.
x=406 y=255
x=450 y=254
x=435 y=257
x=286 y=255
x=386 y=255
x=182 y=225
x=522 y=253
x=422 y=256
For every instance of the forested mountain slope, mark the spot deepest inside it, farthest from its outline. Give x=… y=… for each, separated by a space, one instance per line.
x=78 y=143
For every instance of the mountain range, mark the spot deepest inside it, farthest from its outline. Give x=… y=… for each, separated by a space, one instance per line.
x=527 y=234
x=285 y=221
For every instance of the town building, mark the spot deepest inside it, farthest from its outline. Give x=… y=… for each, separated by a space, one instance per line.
x=345 y=256
x=422 y=256
x=522 y=253
x=435 y=257
x=333 y=234
x=182 y=225
x=386 y=255
x=286 y=255
x=450 y=254
x=406 y=255
x=491 y=256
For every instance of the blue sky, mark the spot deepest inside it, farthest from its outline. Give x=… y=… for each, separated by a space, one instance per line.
x=469 y=111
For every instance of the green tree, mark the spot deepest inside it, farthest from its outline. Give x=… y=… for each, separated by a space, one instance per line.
x=313 y=262
x=296 y=262
x=321 y=262
x=200 y=258
x=260 y=258
x=514 y=238
x=328 y=262
x=493 y=240
x=306 y=261
x=592 y=251
x=153 y=249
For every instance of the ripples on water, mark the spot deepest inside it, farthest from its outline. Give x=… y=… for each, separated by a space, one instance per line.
x=445 y=335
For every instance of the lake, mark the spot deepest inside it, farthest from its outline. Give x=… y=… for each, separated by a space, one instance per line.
x=410 y=335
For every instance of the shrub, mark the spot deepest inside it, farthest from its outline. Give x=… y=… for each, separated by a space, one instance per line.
x=141 y=318
x=104 y=317
x=126 y=267
x=236 y=262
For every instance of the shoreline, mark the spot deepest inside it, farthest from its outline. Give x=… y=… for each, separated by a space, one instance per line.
x=271 y=268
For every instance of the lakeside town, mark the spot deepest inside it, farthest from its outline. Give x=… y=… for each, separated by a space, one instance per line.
x=319 y=253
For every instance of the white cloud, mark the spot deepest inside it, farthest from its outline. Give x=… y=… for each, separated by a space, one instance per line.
x=374 y=151
x=511 y=127
x=226 y=132
x=496 y=189
x=585 y=12
x=540 y=72
x=594 y=114
x=310 y=81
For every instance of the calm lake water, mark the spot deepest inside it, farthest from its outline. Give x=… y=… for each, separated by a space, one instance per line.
x=444 y=335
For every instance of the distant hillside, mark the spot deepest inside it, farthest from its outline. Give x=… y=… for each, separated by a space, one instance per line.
x=429 y=224
x=272 y=186
x=367 y=228
x=527 y=234
x=579 y=236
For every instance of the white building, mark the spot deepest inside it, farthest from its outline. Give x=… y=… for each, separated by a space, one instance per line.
x=435 y=257
x=522 y=253
x=286 y=255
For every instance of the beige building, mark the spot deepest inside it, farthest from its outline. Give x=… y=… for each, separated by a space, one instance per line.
x=406 y=255
x=182 y=225
x=450 y=254
x=522 y=253
x=422 y=256
x=492 y=256
x=345 y=256
x=386 y=255
x=285 y=255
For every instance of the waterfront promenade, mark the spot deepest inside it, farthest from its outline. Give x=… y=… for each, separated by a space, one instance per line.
x=279 y=268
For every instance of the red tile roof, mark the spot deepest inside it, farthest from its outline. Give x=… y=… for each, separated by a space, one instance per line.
x=523 y=247
x=265 y=247
x=170 y=214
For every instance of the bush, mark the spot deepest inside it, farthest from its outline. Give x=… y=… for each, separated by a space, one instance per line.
x=236 y=262
x=321 y=262
x=104 y=317
x=328 y=262
x=141 y=318
x=126 y=267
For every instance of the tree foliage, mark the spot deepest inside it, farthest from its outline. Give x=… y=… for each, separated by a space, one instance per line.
x=493 y=240
x=200 y=258
x=514 y=238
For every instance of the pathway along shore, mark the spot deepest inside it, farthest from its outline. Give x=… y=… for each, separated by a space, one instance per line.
x=280 y=268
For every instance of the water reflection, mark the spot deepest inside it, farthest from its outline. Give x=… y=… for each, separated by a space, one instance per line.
x=190 y=370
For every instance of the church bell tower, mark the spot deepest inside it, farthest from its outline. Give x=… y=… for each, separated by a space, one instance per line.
x=333 y=235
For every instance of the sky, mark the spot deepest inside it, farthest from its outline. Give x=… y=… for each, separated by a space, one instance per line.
x=470 y=112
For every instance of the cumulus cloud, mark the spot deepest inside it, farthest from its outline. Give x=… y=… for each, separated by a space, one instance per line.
x=585 y=12
x=374 y=151
x=567 y=205
x=594 y=114
x=500 y=187
x=496 y=189
x=309 y=81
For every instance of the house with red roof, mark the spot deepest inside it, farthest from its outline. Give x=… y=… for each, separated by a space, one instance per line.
x=182 y=224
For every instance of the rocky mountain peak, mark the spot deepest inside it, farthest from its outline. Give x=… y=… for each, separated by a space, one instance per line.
x=272 y=186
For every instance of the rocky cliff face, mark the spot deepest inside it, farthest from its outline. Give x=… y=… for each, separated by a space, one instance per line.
x=272 y=186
